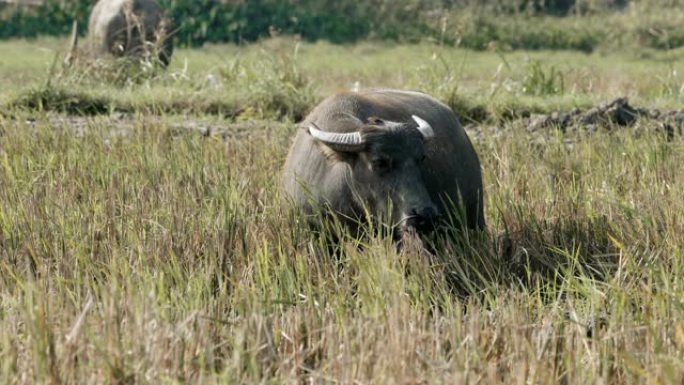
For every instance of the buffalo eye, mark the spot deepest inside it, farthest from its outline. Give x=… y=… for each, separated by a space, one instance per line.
x=375 y=121
x=381 y=164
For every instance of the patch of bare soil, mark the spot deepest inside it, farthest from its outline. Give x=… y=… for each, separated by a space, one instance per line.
x=618 y=113
x=123 y=125
x=609 y=116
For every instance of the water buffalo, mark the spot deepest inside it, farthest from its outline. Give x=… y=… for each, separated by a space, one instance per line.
x=398 y=155
x=130 y=27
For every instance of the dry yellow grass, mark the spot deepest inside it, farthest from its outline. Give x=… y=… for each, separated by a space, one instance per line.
x=133 y=251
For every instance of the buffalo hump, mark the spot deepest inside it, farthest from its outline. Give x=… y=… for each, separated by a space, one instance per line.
x=136 y=28
x=400 y=155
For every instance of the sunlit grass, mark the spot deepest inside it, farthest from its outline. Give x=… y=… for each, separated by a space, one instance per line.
x=153 y=254
x=284 y=77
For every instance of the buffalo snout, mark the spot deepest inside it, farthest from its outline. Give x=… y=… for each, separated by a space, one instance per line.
x=422 y=219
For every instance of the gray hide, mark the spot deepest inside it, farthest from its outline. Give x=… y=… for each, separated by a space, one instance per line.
x=397 y=172
x=130 y=27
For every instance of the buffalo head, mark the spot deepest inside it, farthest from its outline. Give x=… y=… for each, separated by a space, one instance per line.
x=385 y=175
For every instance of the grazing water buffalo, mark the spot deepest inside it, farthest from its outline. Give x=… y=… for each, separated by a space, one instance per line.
x=400 y=155
x=130 y=27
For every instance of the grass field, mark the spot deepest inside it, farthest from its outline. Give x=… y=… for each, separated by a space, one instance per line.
x=142 y=238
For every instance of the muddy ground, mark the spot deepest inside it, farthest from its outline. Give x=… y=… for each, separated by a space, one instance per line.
x=614 y=115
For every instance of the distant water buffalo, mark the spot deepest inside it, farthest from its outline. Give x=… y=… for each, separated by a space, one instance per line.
x=133 y=28
x=400 y=155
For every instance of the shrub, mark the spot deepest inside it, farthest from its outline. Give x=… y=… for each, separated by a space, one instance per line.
x=510 y=24
x=527 y=33
x=201 y=21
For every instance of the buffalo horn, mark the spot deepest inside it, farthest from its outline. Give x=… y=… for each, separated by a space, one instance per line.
x=424 y=127
x=348 y=141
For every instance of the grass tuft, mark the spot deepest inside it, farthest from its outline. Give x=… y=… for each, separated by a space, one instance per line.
x=56 y=98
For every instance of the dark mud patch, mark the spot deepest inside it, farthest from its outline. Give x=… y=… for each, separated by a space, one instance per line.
x=618 y=113
x=608 y=116
x=615 y=114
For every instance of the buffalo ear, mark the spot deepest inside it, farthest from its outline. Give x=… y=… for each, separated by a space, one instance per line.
x=424 y=127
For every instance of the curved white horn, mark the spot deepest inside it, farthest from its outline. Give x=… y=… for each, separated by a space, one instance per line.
x=424 y=127
x=348 y=141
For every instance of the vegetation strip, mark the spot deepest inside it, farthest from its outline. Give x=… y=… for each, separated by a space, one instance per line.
x=584 y=26
x=145 y=247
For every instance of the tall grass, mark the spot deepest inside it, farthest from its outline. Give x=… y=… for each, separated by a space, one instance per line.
x=154 y=254
x=166 y=256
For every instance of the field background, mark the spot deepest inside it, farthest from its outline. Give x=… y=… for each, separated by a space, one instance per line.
x=143 y=240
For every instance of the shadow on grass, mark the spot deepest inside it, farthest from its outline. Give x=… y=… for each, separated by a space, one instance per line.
x=537 y=254
x=63 y=100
